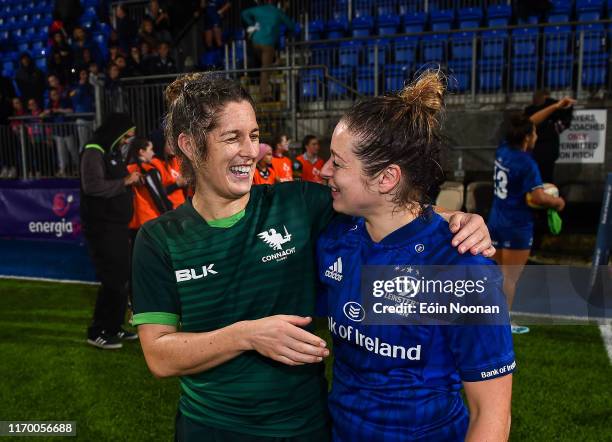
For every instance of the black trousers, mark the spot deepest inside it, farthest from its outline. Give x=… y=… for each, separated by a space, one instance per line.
x=109 y=248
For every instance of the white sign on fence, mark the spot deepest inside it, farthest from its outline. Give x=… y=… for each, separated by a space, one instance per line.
x=585 y=140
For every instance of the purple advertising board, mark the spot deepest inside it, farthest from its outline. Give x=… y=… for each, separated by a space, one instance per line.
x=40 y=210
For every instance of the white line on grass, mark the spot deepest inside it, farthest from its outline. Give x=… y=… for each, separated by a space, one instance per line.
x=606 y=334
x=63 y=281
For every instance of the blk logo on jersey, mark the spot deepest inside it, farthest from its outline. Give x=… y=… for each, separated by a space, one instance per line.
x=354 y=311
x=334 y=271
x=189 y=274
x=276 y=240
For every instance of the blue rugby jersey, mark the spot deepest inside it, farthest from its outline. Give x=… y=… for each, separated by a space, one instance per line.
x=404 y=396
x=516 y=173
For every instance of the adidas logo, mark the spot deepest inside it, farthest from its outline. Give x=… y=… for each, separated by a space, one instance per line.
x=334 y=271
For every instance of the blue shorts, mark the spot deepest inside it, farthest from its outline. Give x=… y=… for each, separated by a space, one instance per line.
x=518 y=238
x=211 y=18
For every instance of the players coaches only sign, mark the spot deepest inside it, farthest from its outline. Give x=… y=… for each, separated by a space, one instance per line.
x=585 y=140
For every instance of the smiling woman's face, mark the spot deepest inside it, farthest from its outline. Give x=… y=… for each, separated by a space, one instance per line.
x=231 y=151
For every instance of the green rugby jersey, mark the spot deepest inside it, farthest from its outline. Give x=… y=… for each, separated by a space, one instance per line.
x=204 y=276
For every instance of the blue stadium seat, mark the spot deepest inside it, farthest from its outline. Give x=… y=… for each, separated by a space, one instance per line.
x=490 y=75
x=558 y=18
x=469 y=18
x=93 y=3
x=589 y=6
x=105 y=27
x=362 y=26
x=348 y=54
x=442 y=20
x=310 y=81
x=8 y=65
x=211 y=59
x=343 y=74
x=322 y=54
x=41 y=63
x=461 y=45
x=23 y=46
x=561 y=7
x=365 y=80
x=557 y=39
x=594 y=70
x=315 y=30
x=524 y=73
x=524 y=42
x=405 y=50
x=386 y=7
x=372 y=46
x=414 y=22
x=594 y=37
x=589 y=16
x=90 y=12
x=494 y=44
x=38 y=44
x=362 y=7
x=460 y=75
x=558 y=71
x=337 y=27
x=388 y=24
x=433 y=48
x=394 y=76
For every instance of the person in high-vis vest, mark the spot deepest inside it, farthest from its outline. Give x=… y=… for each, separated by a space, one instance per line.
x=106 y=209
x=264 y=172
x=310 y=162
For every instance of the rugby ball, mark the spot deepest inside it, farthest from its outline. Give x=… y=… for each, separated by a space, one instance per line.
x=549 y=189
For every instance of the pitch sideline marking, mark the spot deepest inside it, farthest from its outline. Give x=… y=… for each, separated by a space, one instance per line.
x=63 y=281
x=606 y=335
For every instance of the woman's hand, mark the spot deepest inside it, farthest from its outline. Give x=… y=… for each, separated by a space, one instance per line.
x=471 y=233
x=282 y=339
x=565 y=102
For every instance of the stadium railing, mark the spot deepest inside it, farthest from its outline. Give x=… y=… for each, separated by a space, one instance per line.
x=300 y=90
x=42 y=147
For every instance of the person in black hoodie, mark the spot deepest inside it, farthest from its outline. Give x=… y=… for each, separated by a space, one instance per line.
x=106 y=210
x=30 y=80
x=549 y=125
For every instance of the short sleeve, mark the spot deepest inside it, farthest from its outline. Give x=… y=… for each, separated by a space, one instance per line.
x=483 y=352
x=320 y=205
x=155 y=296
x=532 y=178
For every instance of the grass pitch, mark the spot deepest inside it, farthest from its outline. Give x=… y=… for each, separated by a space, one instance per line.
x=562 y=389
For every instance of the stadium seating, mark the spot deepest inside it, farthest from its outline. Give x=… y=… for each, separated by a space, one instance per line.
x=460 y=78
x=524 y=73
x=469 y=18
x=394 y=76
x=344 y=75
x=594 y=70
x=433 y=48
x=414 y=22
x=388 y=24
x=498 y=15
x=310 y=81
x=462 y=45
x=362 y=26
x=376 y=51
x=406 y=50
x=366 y=80
x=558 y=71
x=348 y=53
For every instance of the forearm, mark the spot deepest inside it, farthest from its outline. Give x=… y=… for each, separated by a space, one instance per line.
x=489 y=427
x=543 y=114
x=181 y=353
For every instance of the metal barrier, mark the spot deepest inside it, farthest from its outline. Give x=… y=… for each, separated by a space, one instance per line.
x=299 y=89
x=39 y=147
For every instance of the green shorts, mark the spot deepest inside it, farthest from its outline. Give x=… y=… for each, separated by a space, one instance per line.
x=190 y=431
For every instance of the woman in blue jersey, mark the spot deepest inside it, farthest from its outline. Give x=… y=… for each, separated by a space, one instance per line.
x=511 y=221
x=401 y=382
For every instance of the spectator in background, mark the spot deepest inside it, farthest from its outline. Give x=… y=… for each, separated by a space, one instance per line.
x=146 y=52
x=213 y=14
x=121 y=64
x=127 y=29
x=113 y=39
x=147 y=33
x=549 y=125
x=161 y=21
x=56 y=108
x=106 y=209
x=83 y=49
x=113 y=52
x=30 y=80
x=14 y=108
x=112 y=87
x=134 y=63
x=264 y=172
x=68 y=11
x=265 y=22
x=282 y=164
x=169 y=167
x=59 y=67
x=309 y=161
x=83 y=101
x=60 y=44
x=94 y=71
x=53 y=82
x=162 y=64
x=39 y=159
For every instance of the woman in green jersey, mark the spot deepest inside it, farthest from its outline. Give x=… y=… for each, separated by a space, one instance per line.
x=224 y=286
